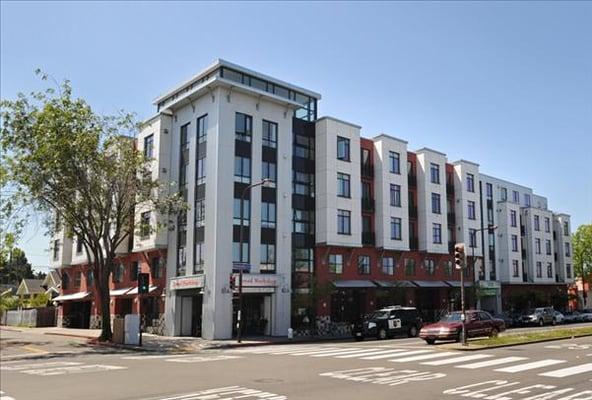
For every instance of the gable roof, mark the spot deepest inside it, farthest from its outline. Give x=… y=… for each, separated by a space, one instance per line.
x=52 y=279
x=30 y=286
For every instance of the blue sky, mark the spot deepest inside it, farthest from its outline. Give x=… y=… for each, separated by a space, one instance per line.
x=504 y=84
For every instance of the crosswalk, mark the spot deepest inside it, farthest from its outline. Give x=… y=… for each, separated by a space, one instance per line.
x=56 y=368
x=550 y=368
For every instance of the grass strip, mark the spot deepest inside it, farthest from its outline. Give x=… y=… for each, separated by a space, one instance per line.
x=533 y=337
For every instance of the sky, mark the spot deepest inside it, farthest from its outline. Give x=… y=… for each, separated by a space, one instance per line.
x=505 y=84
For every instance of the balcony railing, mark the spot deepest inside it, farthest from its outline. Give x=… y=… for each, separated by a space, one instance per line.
x=367 y=204
x=413 y=243
x=412 y=180
x=368 y=238
x=367 y=171
x=412 y=212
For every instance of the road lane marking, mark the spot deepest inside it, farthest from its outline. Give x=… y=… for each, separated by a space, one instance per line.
x=561 y=373
x=491 y=363
x=71 y=370
x=20 y=367
x=196 y=359
x=226 y=393
x=425 y=356
x=457 y=359
x=338 y=353
x=396 y=353
x=309 y=353
x=150 y=357
x=371 y=352
x=530 y=365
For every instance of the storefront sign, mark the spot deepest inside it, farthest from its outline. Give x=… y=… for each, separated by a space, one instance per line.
x=257 y=280
x=490 y=284
x=187 y=282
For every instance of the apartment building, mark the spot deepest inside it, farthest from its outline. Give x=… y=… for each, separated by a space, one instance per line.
x=343 y=224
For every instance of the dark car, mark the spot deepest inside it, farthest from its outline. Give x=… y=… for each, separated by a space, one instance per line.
x=478 y=323
x=389 y=322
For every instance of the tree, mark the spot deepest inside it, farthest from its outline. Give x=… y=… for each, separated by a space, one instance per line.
x=14 y=267
x=582 y=251
x=82 y=172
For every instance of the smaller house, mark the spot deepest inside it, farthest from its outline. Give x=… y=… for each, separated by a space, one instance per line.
x=52 y=284
x=30 y=288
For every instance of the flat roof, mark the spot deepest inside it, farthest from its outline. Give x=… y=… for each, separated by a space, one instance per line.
x=463 y=161
x=428 y=150
x=387 y=136
x=339 y=121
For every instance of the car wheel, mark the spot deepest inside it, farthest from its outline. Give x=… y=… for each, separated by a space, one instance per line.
x=412 y=331
x=541 y=322
x=381 y=334
x=430 y=341
x=554 y=322
x=494 y=332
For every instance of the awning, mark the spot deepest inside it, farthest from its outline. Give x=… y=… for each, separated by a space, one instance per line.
x=354 y=284
x=431 y=284
x=391 y=284
x=457 y=283
x=135 y=290
x=119 y=292
x=73 y=296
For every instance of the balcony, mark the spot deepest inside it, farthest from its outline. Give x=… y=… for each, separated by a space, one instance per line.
x=412 y=180
x=413 y=244
x=412 y=212
x=449 y=189
x=367 y=204
x=367 y=171
x=451 y=218
x=368 y=238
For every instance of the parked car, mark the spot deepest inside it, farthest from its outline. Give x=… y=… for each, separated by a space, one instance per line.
x=389 y=322
x=478 y=323
x=559 y=317
x=510 y=320
x=540 y=316
x=571 y=317
x=586 y=315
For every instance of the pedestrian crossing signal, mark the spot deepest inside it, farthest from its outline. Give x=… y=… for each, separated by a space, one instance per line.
x=143 y=282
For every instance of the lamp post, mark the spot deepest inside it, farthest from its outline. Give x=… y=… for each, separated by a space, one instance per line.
x=239 y=313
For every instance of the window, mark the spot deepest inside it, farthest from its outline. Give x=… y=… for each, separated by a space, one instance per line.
x=430 y=266
x=436 y=203
x=539 y=269
x=303 y=221
x=90 y=279
x=236 y=253
x=202 y=128
x=156 y=267
x=181 y=250
x=513 y=220
x=56 y=250
x=145 y=225
x=134 y=269
x=410 y=267
x=267 y=257
x=303 y=147
x=472 y=238
x=269 y=171
x=270 y=134
x=79 y=245
x=388 y=265
x=343 y=222
x=537 y=223
x=490 y=216
x=335 y=263
x=547 y=225
x=470 y=183
x=149 y=146
x=303 y=260
x=343 y=188
x=268 y=215
x=200 y=212
x=504 y=194
x=303 y=183
x=471 y=209
x=448 y=268
x=437 y=233
x=568 y=271
x=515 y=269
x=198 y=258
x=549 y=270
x=365 y=155
x=200 y=170
x=65 y=281
x=77 y=279
x=396 y=228
x=364 y=265
x=242 y=169
x=342 y=148
x=515 y=196
x=548 y=247
x=537 y=245
x=395 y=195
x=489 y=190
x=243 y=127
x=236 y=218
x=527 y=199
x=394 y=163
x=435 y=173
x=118 y=272
x=565 y=228
x=514 y=242
x=567 y=249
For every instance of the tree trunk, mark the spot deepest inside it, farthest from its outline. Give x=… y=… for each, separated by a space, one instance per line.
x=105 y=298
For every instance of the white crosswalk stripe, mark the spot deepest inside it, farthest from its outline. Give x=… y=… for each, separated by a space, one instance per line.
x=425 y=356
x=395 y=354
x=317 y=351
x=456 y=360
x=338 y=352
x=562 y=373
x=530 y=365
x=370 y=352
x=491 y=363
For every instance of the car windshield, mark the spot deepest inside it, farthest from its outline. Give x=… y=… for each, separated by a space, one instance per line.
x=451 y=317
x=380 y=315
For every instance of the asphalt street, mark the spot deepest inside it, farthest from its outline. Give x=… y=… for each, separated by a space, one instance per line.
x=64 y=368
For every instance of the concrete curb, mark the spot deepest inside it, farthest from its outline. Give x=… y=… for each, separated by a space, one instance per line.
x=3 y=328
x=498 y=346
x=69 y=335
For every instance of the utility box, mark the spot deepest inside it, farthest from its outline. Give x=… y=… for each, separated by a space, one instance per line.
x=132 y=329
x=118 y=330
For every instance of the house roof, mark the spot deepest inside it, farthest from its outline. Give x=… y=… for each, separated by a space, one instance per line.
x=52 y=279
x=30 y=286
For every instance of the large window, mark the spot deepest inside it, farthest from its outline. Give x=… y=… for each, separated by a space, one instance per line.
x=237 y=212
x=472 y=238
x=269 y=171
x=303 y=147
x=202 y=128
x=410 y=267
x=149 y=146
x=539 y=269
x=549 y=270
x=364 y=265
x=343 y=222
x=537 y=223
x=547 y=225
x=514 y=243
x=77 y=279
x=430 y=266
x=198 y=257
x=548 y=247
x=342 y=148
x=267 y=257
x=243 y=127
x=448 y=268
x=434 y=173
x=388 y=265
x=335 y=263
x=566 y=228
x=145 y=225
x=182 y=250
x=537 y=245
x=270 y=130
x=489 y=190
x=436 y=209
x=471 y=209
x=236 y=253
x=268 y=215
x=65 y=281
x=303 y=221
x=303 y=260
x=513 y=219
x=470 y=183
x=183 y=160
x=527 y=199
x=394 y=163
x=200 y=170
x=395 y=195
x=437 y=233
x=515 y=196
x=396 y=228
x=568 y=271
x=515 y=269
x=567 y=249
x=90 y=279
x=79 y=244
x=503 y=194
x=200 y=212
x=242 y=169
x=343 y=185
x=118 y=272
x=134 y=270
x=303 y=183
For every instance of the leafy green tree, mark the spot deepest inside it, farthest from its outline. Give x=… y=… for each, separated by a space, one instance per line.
x=81 y=169
x=582 y=251
x=15 y=267
x=38 y=300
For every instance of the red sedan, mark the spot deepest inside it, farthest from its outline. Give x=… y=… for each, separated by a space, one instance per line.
x=478 y=323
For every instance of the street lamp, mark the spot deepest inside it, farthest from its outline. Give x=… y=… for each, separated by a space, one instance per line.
x=264 y=182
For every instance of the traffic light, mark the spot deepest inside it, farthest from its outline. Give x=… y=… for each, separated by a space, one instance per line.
x=459 y=255
x=143 y=282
